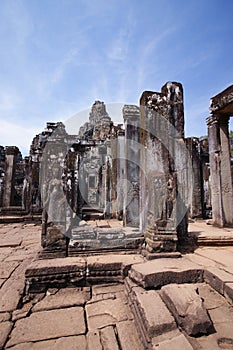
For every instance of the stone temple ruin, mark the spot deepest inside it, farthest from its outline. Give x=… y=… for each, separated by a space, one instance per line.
x=143 y=172
x=128 y=189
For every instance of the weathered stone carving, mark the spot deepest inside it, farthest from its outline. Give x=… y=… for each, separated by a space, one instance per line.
x=220 y=160
x=163 y=168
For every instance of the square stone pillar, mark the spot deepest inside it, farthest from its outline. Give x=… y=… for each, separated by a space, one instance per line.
x=8 y=191
x=131 y=115
x=164 y=163
x=225 y=169
x=120 y=173
x=220 y=171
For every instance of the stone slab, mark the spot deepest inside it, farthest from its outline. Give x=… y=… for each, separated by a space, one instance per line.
x=66 y=297
x=128 y=336
x=223 y=256
x=71 y=343
x=156 y=273
x=11 y=293
x=6 y=269
x=105 y=312
x=228 y=292
x=93 y=340
x=176 y=343
x=217 y=278
x=4 y=316
x=45 y=325
x=108 y=338
x=2 y=280
x=55 y=266
x=153 y=313
x=107 y=288
x=5 y=328
x=187 y=307
x=10 y=242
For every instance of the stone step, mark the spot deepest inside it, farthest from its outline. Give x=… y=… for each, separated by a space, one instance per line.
x=154 y=322
x=159 y=272
x=78 y=271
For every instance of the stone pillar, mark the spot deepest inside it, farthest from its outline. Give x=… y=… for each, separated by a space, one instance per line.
x=195 y=180
x=163 y=163
x=120 y=172
x=220 y=171
x=215 y=177
x=8 y=193
x=225 y=169
x=131 y=116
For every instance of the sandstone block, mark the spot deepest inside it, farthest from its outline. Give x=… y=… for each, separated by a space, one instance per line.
x=93 y=340
x=128 y=336
x=5 y=328
x=108 y=338
x=228 y=293
x=177 y=342
x=106 y=312
x=66 y=297
x=217 y=278
x=45 y=325
x=71 y=343
x=157 y=273
x=187 y=308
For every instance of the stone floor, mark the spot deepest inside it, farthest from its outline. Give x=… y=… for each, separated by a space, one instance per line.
x=99 y=316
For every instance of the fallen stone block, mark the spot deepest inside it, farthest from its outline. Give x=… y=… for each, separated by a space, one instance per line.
x=187 y=307
x=153 y=313
x=157 y=273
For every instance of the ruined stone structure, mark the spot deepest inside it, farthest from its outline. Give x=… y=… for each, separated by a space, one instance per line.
x=143 y=172
x=221 y=109
x=11 y=177
x=164 y=170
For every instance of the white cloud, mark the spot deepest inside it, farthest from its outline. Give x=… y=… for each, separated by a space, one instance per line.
x=15 y=135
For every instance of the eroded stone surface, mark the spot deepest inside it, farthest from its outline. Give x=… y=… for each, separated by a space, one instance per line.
x=128 y=336
x=187 y=308
x=93 y=340
x=217 y=278
x=105 y=312
x=71 y=343
x=156 y=273
x=108 y=338
x=48 y=324
x=66 y=297
x=177 y=342
x=5 y=328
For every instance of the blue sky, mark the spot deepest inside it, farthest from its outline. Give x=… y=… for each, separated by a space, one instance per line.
x=59 y=56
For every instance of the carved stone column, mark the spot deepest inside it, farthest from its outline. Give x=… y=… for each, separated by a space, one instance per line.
x=220 y=170
x=8 y=192
x=131 y=116
x=163 y=168
x=225 y=169
x=195 y=180
x=120 y=172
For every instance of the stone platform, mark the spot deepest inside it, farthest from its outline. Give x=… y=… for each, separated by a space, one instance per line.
x=103 y=310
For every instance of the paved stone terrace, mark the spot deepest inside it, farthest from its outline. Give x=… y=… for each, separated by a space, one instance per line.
x=98 y=317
